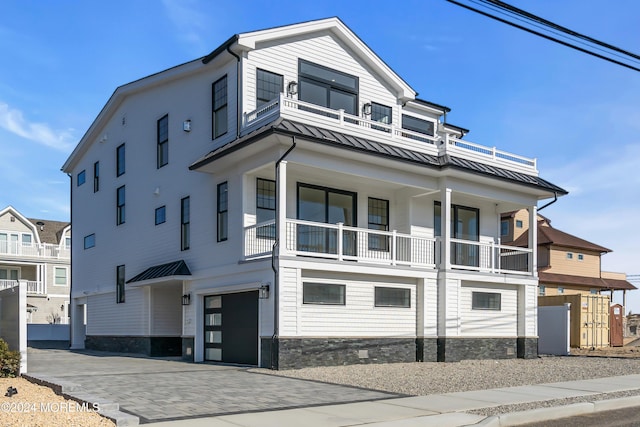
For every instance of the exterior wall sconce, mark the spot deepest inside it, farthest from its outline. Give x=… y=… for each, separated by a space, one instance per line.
x=186 y=299
x=263 y=291
x=366 y=109
x=292 y=88
x=186 y=126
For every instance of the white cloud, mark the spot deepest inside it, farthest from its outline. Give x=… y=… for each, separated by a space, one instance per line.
x=13 y=121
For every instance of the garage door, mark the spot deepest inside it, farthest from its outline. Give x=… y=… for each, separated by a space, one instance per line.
x=231 y=328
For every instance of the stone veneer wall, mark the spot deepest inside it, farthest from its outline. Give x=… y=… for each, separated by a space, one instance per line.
x=527 y=348
x=456 y=349
x=426 y=349
x=150 y=346
x=294 y=353
x=188 y=346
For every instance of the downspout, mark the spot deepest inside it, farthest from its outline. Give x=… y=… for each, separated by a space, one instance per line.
x=274 y=251
x=555 y=199
x=238 y=81
x=71 y=305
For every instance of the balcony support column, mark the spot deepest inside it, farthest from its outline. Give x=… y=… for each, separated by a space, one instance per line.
x=533 y=240
x=445 y=227
x=281 y=218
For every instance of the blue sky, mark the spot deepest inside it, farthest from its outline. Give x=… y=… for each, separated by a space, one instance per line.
x=578 y=115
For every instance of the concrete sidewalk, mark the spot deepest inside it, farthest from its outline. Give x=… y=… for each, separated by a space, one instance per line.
x=134 y=390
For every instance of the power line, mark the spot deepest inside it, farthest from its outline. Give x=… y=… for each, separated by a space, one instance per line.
x=551 y=27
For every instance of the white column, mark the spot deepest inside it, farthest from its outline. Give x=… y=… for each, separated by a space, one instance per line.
x=445 y=228
x=533 y=239
x=282 y=207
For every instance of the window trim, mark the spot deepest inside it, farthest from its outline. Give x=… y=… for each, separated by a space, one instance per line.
x=120 y=281
x=504 y=223
x=431 y=132
x=215 y=111
x=519 y=223
x=120 y=205
x=81 y=178
x=476 y=306
x=162 y=151
x=96 y=177
x=162 y=209
x=395 y=289
x=66 y=276
x=120 y=160
x=91 y=240
x=222 y=232
x=339 y=285
x=185 y=223
x=570 y=255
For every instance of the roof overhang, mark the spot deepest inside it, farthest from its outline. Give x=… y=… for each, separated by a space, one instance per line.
x=172 y=272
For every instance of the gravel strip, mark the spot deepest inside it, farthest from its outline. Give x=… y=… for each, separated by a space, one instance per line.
x=425 y=378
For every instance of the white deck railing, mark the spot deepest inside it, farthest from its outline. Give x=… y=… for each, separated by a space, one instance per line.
x=33 y=287
x=43 y=250
x=343 y=243
x=388 y=133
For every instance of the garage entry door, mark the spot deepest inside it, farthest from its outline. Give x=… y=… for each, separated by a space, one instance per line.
x=231 y=328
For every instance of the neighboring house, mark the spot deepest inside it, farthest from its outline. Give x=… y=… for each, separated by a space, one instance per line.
x=287 y=201
x=566 y=264
x=35 y=253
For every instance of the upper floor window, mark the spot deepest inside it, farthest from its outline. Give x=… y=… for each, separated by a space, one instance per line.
x=486 y=301
x=67 y=242
x=163 y=141
x=417 y=125
x=161 y=215
x=220 y=116
x=96 y=177
x=269 y=87
x=81 y=178
x=378 y=219
x=381 y=113
x=519 y=223
x=185 y=224
x=120 y=284
x=266 y=207
x=27 y=239
x=329 y=88
x=504 y=227
x=223 y=213
x=569 y=255
x=60 y=274
x=120 y=160
x=580 y=257
x=560 y=290
x=120 y=208
x=89 y=241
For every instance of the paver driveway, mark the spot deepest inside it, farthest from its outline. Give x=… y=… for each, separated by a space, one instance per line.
x=159 y=389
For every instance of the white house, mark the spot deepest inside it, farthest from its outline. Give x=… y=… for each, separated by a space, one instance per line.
x=36 y=254
x=288 y=201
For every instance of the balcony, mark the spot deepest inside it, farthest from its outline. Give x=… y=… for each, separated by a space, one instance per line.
x=391 y=134
x=33 y=287
x=17 y=250
x=341 y=243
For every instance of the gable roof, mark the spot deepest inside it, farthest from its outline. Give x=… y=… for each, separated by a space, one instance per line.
x=548 y=235
x=49 y=231
x=355 y=143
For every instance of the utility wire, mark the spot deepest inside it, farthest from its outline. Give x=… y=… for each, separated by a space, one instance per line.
x=545 y=36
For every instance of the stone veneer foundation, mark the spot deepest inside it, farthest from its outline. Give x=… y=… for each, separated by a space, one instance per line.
x=149 y=346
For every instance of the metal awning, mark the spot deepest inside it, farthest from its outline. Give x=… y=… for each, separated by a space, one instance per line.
x=162 y=273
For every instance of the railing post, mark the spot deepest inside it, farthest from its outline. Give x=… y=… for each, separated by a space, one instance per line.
x=394 y=246
x=492 y=256
x=493 y=153
x=341 y=116
x=340 y=239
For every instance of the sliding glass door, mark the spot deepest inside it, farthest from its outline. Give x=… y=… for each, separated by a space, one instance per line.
x=465 y=225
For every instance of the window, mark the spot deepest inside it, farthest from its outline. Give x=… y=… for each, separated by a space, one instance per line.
x=67 y=242
x=518 y=223
x=82 y=177
x=417 y=125
x=96 y=177
x=265 y=207
x=89 y=241
x=580 y=257
x=560 y=290
x=593 y=291
x=161 y=215
x=223 y=213
x=269 y=87
x=120 y=211
x=392 y=297
x=120 y=160
x=60 y=274
x=378 y=220
x=542 y=290
x=569 y=255
x=163 y=141
x=329 y=88
x=120 y=284
x=486 y=301
x=323 y=293
x=504 y=227
x=185 y=224
x=9 y=274
x=219 y=93
x=27 y=239
x=381 y=113
x=465 y=225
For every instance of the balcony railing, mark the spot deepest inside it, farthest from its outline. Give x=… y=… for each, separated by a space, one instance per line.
x=343 y=243
x=43 y=250
x=33 y=287
x=388 y=133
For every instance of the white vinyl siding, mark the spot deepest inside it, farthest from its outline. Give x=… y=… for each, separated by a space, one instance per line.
x=489 y=323
x=166 y=311
x=105 y=317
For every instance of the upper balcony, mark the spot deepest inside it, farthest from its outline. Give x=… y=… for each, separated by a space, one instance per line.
x=42 y=251
x=441 y=144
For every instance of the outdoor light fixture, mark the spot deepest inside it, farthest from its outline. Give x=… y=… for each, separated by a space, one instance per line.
x=292 y=88
x=186 y=299
x=263 y=291
x=366 y=109
x=186 y=126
